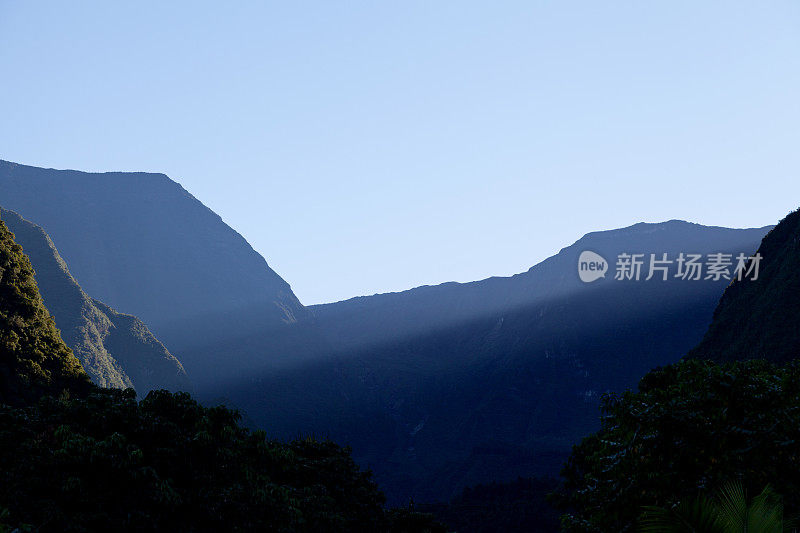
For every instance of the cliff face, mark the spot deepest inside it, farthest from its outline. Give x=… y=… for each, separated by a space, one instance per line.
x=141 y=243
x=116 y=350
x=760 y=319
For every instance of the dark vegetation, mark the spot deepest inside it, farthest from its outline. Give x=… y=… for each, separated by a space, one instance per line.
x=503 y=394
x=691 y=428
x=728 y=511
x=34 y=359
x=75 y=457
x=699 y=425
x=107 y=462
x=436 y=389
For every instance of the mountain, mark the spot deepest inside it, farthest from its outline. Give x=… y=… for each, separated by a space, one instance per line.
x=760 y=318
x=725 y=415
x=33 y=358
x=439 y=388
x=436 y=388
x=141 y=243
x=77 y=457
x=116 y=350
x=362 y=321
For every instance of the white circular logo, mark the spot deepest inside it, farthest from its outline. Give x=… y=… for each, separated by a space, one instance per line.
x=591 y=266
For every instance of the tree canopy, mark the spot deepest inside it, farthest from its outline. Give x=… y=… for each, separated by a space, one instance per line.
x=690 y=428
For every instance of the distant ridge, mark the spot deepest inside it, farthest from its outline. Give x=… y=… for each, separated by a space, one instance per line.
x=367 y=319
x=453 y=385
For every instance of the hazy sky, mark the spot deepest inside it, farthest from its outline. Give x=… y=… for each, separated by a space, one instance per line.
x=366 y=147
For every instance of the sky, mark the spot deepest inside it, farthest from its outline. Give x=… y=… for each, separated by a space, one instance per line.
x=366 y=147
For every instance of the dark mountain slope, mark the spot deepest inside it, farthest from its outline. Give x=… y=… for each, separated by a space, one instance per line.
x=33 y=358
x=365 y=320
x=76 y=457
x=760 y=319
x=436 y=395
x=116 y=350
x=728 y=412
x=141 y=243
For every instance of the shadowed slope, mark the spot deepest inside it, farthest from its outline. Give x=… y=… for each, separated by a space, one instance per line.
x=142 y=243
x=760 y=319
x=442 y=387
x=116 y=350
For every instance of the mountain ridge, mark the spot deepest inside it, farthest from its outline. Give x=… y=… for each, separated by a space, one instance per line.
x=436 y=389
x=160 y=254
x=413 y=312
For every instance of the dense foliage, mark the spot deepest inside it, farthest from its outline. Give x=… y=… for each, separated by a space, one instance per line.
x=107 y=462
x=729 y=512
x=690 y=428
x=33 y=358
x=74 y=457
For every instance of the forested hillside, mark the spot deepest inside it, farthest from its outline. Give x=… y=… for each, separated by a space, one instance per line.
x=116 y=350
x=141 y=243
x=760 y=319
x=726 y=414
x=33 y=358
x=76 y=457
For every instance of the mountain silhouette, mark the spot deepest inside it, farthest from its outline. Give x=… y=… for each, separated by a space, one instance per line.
x=435 y=388
x=438 y=388
x=141 y=243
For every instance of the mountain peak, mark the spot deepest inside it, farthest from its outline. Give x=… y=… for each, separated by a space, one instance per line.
x=140 y=242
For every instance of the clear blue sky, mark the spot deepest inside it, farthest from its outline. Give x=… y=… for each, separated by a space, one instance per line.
x=366 y=147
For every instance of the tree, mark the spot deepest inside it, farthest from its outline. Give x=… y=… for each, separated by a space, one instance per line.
x=729 y=513
x=109 y=462
x=692 y=426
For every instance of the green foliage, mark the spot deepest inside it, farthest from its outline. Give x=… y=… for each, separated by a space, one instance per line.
x=107 y=462
x=33 y=358
x=691 y=427
x=99 y=460
x=116 y=350
x=729 y=513
x=699 y=515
